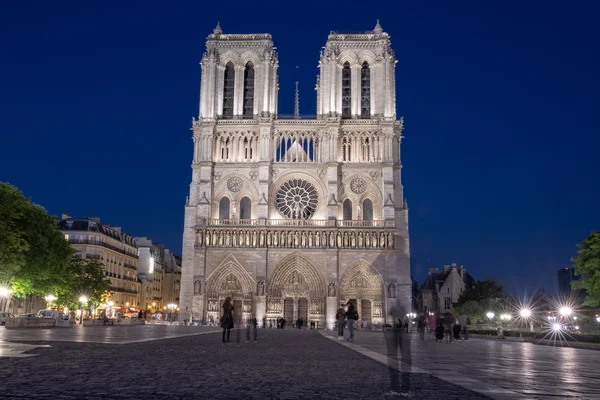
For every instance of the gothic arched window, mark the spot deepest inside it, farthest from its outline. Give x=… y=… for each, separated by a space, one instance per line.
x=347 y=210
x=365 y=91
x=368 y=210
x=224 y=208
x=346 y=91
x=245 y=208
x=248 y=91
x=228 y=89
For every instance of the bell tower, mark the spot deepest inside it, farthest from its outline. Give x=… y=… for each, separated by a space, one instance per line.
x=356 y=79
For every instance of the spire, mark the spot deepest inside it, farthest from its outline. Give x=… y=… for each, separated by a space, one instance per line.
x=297 y=99
x=378 y=29
x=218 y=30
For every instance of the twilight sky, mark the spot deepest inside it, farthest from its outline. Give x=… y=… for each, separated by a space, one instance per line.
x=501 y=104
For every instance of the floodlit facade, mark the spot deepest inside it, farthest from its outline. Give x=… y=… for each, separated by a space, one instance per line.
x=293 y=216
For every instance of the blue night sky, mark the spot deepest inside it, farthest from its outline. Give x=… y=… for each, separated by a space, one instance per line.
x=500 y=104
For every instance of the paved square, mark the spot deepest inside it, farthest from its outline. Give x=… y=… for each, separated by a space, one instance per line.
x=284 y=364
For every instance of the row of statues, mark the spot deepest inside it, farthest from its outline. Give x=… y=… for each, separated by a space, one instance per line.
x=288 y=238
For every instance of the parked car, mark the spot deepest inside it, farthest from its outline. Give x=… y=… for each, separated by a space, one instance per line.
x=53 y=314
x=4 y=316
x=27 y=316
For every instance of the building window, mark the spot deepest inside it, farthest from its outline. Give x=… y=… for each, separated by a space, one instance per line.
x=245 y=208
x=228 y=91
x=224 y=208
x=248 y=91
x=346 y=91
x=447 y=304
x=347 y=210
x=368 y=210
x=365 y=91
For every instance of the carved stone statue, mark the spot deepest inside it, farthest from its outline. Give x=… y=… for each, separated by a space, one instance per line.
x=197 y=286
x=233 y=211
x=358 y=216
x=260 y=288
x=392 y=291
x=331 y=289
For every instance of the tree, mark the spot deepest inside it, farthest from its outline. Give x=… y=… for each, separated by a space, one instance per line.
x=86 y=279
x=477 y=309
x=480 y=291
x=12 y=241
x=587 y=264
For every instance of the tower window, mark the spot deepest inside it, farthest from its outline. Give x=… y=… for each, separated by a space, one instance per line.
x=347 y=210
x=368 y=210
x=248 y=91
x=346 y=91
x=228 y=91
x=224 y=208
x=245 y=208
x=365 y=91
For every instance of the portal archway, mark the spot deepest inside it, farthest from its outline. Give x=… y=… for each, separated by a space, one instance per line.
x=230 y=279
x=363 y=285
x=296 y=290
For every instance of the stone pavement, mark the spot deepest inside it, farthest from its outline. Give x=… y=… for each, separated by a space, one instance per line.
x=284 y=364
x=499 y=369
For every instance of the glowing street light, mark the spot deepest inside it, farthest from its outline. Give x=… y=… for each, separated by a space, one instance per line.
x=505 y=317
x=50 y=298
x=111 y=303
x=556 y=327
x=490 y=315
x=525 y=313
x=565 y=311
x=4 y=291
x=83 y=299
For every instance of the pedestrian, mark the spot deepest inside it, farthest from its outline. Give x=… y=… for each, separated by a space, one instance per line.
x=439 y=332
x=448 y=321
x=252 y=324
x=264 y=321
x=119 y=316
x=340 y=318
x=421 y=326
x=456 y=330
x=465 y=322
x=406 y=324
x=352 y=316
x=227 y=318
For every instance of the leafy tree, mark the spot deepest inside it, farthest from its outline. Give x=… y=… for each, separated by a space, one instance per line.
x=87 y=278
x=477 y=309
x=13 y=244
x=480 y=291
x=587 y=264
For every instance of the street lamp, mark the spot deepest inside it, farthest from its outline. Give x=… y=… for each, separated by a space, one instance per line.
x=598 y=319
x=82 y=300
x=4 y=291
x=171 y=307
x=49 y=299
x=525 y=313
x=565 y=311
x=490 y=316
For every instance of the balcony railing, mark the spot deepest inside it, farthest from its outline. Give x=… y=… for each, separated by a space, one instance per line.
x=103 y=244
x=121 y=290
x=301 y=223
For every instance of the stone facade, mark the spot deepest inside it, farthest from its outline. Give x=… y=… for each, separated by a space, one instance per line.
x=293 y=217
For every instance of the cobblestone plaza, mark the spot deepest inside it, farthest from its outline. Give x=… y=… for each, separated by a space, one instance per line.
x=177 y=362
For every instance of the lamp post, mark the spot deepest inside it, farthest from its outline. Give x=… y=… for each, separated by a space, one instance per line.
x=171 y=307
x=5 y=294
x=490 y=316
x=49 y=299
x=525 y=313
x=83 y=300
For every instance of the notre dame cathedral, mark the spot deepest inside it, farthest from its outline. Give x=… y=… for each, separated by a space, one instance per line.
x=292 y=216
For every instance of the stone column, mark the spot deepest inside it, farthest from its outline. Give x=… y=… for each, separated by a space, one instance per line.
x=295 y=318
x=331 y=309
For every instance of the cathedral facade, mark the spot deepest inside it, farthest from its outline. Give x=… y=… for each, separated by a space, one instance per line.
x=290 y=216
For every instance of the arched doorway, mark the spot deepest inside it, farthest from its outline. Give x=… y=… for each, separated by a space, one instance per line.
x=229 y=279
x=362 y=284
x=296 y=290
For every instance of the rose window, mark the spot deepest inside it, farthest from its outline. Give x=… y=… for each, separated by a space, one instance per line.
x=235 y=184
x=358 y=185
x=297 y=199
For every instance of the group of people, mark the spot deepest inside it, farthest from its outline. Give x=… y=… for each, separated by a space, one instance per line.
x=452 y=328
x=346 y=316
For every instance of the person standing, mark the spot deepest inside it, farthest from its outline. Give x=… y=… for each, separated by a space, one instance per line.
x=464 y=323
x=352 y=316
x=340 y=317
x=421 y=326
x=227 y=318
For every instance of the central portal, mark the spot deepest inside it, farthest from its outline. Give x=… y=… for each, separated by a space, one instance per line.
x=298 y=286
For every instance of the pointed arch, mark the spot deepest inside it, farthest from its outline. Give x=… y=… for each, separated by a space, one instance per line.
x=228 y=90
x=224 y=208
x=367 y=210
x=365 y=91
x=347 y=210
x=248 y=100
x=346 y=91
x=362 y=281
x=295 y=272
x=229 y=279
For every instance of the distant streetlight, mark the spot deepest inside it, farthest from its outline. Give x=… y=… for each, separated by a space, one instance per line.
x=111 y=303
x=565 y=311
x=171 y=307
x=598 y=319
x=505 y=317
x=525 y=313
x=556 y=327
x=50 y=298
x=4 y=291
x=490 y=315
x=83 y=299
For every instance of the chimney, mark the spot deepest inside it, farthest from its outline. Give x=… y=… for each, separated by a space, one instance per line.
x=65 y=216
x=447 y=268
